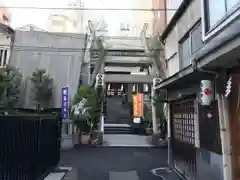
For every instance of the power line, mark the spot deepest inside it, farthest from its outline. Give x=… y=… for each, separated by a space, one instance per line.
x=86 y=9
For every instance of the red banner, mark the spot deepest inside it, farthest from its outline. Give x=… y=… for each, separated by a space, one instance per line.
x=138 y=105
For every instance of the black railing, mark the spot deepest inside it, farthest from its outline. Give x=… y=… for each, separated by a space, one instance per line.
x=29 y=144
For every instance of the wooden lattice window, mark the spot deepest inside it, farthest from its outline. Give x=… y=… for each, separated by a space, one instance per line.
x=183 y=121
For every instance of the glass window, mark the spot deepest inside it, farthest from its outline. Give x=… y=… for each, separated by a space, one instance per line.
x=232 y=3
x=196 y=39
x=185 y=52
x=216 y=10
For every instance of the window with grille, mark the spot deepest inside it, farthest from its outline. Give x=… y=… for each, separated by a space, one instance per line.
x=183 y=121
x=3 y=57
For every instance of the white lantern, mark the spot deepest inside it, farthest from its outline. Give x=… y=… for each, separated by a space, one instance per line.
x=145 y=87
x=206 y=94
x=134 y=88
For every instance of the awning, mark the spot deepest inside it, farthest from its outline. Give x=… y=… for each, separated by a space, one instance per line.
x=183 y=79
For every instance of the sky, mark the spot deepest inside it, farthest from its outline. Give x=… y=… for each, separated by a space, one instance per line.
x=21 y=17
x=38 y=17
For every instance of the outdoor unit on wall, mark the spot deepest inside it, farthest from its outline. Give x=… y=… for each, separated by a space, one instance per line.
x=206 y=94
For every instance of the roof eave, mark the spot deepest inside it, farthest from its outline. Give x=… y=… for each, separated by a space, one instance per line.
x=6 y=29
x=177 y=15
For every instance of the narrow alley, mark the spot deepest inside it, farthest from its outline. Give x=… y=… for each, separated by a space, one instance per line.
x=120 y=90
x=114 y=163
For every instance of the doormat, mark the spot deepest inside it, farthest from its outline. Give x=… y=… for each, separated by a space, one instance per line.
x=58 y=174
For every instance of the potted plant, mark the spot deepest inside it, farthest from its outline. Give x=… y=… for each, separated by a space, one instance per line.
x=85 y=113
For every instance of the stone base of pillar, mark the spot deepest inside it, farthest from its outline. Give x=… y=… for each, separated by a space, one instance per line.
x=159 y=141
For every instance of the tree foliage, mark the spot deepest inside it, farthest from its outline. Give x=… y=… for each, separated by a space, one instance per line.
x=42 y=88
x=10 y=87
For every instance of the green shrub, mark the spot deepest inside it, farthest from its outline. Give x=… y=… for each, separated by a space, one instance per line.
x=91 y=108
x=10 y=85
x=42 y=89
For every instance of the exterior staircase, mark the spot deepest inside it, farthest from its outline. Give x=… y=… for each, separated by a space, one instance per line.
x=118 y=113
x=117 y=129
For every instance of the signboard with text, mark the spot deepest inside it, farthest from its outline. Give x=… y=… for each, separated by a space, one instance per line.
x=65 y=103
x=138 y=105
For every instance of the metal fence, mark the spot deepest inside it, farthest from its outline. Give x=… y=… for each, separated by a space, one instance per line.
x=29 y=144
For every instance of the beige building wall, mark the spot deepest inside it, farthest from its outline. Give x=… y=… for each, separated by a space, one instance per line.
x=189 y=18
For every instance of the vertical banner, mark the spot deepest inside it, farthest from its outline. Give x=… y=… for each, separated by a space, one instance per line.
x=135 y=107
x=138 y=105
x=65 y=103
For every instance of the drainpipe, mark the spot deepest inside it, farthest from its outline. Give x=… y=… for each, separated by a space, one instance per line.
x=169 y=136
x=154 y=117
x=225 y=136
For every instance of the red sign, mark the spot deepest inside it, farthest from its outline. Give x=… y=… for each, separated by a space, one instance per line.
x=138 y=105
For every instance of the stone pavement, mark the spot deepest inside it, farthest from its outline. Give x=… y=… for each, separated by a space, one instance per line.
x=114 y=163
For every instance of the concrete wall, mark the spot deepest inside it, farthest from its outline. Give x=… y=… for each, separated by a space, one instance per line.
x=189 y=18
x=59 y=53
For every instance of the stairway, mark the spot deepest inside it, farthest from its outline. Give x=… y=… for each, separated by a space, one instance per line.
x=117 y=129
x=118 y=113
